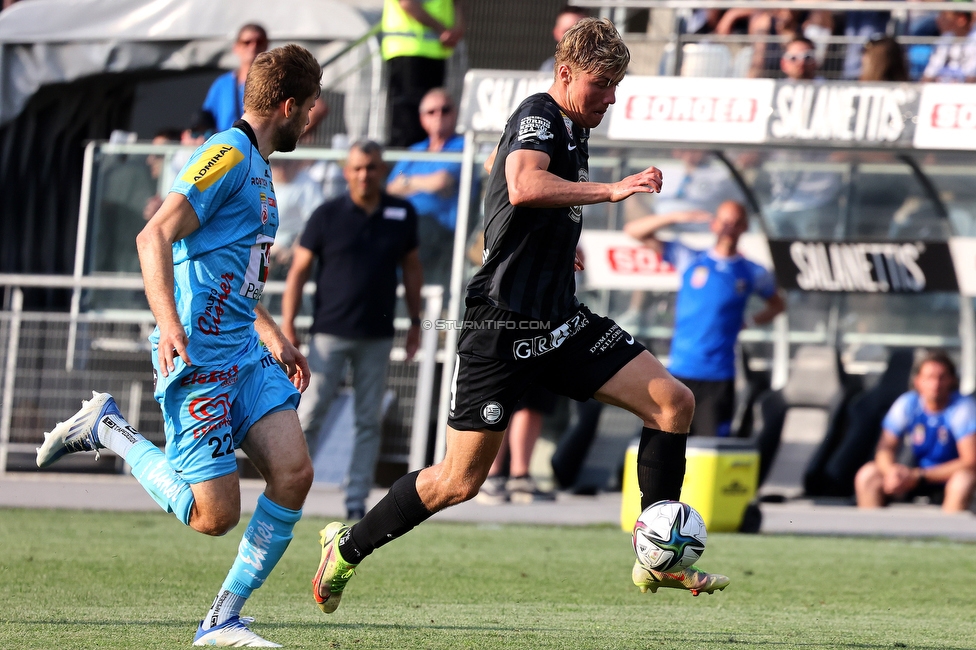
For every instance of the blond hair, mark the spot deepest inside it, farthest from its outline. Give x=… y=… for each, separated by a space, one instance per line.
x=280 y=74
x=594 y=45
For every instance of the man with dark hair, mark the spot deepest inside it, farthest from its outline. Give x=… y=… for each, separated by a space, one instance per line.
x=358 y=241
x=927 y=447
x=205 y=256
x=799 y=60
x=225 y=99
x=533 y=220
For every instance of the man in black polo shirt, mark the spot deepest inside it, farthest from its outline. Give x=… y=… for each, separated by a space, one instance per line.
x=359 y=239
x=531 y=329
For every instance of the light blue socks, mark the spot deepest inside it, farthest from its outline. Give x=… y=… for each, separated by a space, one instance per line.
x=267 y=536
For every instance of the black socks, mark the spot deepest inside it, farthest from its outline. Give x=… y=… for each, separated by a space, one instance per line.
x=660 y=465
x=396 y=514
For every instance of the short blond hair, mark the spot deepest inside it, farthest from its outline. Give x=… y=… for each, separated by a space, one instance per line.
x=279 y=74
x=594 y=45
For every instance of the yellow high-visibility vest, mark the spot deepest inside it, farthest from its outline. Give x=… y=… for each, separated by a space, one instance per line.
x=404 y=36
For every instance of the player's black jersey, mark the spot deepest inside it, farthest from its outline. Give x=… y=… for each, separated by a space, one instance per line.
x=529 y=252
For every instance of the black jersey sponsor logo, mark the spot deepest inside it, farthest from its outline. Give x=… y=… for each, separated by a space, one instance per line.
x=260 y=182
x=492 y=412
x=534 y=129
x=539 y=345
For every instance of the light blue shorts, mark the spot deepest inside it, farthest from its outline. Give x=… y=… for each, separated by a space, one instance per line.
x=208 y=410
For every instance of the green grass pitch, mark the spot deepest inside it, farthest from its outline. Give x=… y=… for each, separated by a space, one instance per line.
x=110 y=580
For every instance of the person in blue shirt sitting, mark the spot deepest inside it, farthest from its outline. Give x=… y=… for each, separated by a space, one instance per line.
x=432 y=187
x=927 y=447
x=711 y=303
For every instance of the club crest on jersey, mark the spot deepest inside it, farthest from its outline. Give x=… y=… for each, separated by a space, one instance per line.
x=576 y=211
x=918 y=434
x=699 y=277
x=534 y=129
x=740 y=286
x=491 y=412
x=264 y=207
x=569 y=124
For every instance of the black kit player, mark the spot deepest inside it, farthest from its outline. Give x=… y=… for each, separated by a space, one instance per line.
x=533 y=220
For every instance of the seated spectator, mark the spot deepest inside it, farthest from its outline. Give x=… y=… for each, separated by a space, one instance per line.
x=882 y=59
x=921 y=23
x=863 y=25
x=953 y=61
x=783 y=23
x=927 y=446
x=432 y=187
x=565 y=18
x=799 y=60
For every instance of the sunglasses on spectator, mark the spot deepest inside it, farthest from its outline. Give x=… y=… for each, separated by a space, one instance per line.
x=443 y=110
x=797 y=57
x=251 y=41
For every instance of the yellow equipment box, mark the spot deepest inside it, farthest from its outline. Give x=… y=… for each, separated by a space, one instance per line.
x=720 y=480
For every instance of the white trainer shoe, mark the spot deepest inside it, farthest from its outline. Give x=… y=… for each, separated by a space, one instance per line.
x=77 y=433
x=232 y=633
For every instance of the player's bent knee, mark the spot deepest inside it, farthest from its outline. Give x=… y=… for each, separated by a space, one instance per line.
x=214 y=524
x=677 y=405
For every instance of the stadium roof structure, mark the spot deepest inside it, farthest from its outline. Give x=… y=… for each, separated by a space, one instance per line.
x=56 y=41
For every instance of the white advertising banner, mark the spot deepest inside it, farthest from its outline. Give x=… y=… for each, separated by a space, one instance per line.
x=963 y=251
x=946 y=117
x=615 y=260
x=689 y=109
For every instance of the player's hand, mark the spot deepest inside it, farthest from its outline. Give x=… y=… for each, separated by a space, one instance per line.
x=644 y=182
x=580 y=258
x=172 y=343
x=295 y=363
x=413 y=341
x=898 y=480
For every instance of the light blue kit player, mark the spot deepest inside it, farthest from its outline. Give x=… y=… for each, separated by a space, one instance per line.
x=222 y=365
x=709 y=312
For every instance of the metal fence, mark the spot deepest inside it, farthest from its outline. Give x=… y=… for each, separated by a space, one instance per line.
x=52 y=361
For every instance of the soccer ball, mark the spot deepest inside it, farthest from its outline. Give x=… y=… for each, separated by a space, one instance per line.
x=669 y=535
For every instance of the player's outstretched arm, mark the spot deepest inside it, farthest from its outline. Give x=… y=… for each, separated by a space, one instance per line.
x=295 y=363
x=174 y=220
x=531 y=185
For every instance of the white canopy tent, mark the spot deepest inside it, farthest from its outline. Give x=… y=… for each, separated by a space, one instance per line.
x=46 y=42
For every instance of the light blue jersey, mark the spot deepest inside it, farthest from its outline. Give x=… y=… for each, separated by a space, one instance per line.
x=709 y=310
x=220 y=269
x=932 y=436
x=219 y=275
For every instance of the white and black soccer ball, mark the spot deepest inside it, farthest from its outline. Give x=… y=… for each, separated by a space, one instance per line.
x=669 y=535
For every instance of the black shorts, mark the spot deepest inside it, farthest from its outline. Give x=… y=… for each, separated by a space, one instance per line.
x=500 y=353
x=714 y=406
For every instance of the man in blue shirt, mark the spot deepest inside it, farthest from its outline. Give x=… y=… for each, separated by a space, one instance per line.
x=221 y=365
x=927 y=446
x=715 y=288
x=225 y=99
x=432 y=187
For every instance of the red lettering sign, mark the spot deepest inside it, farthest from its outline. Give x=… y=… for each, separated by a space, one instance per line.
x=637 y=260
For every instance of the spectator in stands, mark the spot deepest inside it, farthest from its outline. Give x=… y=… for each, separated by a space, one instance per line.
x=921 y=23
x=418 y=38
x=432 y=187
x=861 y=25
x=359 y=240
x=799 y=60
x=566 y=17
x=927 y=446
x=297 y=194
x=225 y=99
x=782 y=23
x=882 y=59
x=710 y=308
x=155 y=164
x=953 y=61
